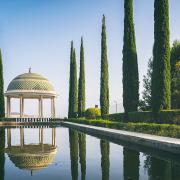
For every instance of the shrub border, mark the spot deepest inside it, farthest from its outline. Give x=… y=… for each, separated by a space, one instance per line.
x=167 y=130
x=164 y=117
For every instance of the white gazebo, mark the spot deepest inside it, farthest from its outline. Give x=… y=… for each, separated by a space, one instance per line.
x=30 y=86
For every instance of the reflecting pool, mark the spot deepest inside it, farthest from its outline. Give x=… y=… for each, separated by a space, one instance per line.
x=63 y=153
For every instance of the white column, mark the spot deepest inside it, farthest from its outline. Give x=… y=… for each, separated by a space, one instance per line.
x=22 y=137
x=41 y=107
x=42 y=140
x=54 y=106
x=8 y=107
x=53 y=137
x=21 y=106
x=9 y=137
x=39 y=136
x=53 y=113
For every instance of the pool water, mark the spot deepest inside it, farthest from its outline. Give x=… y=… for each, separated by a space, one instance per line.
x=63 y=153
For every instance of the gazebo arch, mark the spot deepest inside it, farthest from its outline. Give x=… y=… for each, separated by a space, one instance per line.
x=30 y=86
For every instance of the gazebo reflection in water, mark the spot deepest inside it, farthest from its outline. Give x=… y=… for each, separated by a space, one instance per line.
x=32 y=157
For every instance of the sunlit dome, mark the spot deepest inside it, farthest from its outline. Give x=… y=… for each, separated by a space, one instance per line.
x=30 y=81
x=29 y=84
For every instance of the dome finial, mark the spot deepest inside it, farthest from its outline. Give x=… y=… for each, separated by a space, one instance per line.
x=29 y=69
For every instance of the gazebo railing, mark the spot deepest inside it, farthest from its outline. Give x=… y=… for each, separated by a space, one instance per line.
x=44 y=119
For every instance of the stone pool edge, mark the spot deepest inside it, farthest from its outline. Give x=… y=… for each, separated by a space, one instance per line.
x=167 y=144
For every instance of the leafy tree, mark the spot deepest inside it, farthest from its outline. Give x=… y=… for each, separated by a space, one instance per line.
x=176 y=87
x=92 y=113
x=81 y=85
x=175 y=56
x=2 y=110
x=104 y=86
x=130 y=65
x=145 y=103
x=73 y=99
x=161 y=81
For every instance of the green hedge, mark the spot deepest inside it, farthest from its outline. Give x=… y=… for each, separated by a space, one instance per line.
x=147 y=128
x=164 y=117
x=115 y=117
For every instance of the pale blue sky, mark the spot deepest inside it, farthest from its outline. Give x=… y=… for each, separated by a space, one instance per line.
x=37 y=33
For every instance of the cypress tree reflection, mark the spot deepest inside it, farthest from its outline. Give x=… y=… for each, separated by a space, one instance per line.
x=161 y=169
x=105 y=163
x=73 y=144
x=2 y=156
x=82 y=154
x=131 y=164
x=175 y=171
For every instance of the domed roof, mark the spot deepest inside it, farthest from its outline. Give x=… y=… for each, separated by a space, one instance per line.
x=30 y=81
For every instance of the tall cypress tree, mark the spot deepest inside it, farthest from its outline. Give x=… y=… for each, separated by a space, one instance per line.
x=73 y=101
x=70 y=82
x=2 y=110
x=161 y=57
x=130 y=64
x=104 y=86
x=74 y=86
x=81 y=85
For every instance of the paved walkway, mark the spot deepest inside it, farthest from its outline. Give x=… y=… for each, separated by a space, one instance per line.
x=161 y=143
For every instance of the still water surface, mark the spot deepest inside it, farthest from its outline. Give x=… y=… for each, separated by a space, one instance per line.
x=62 y=153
